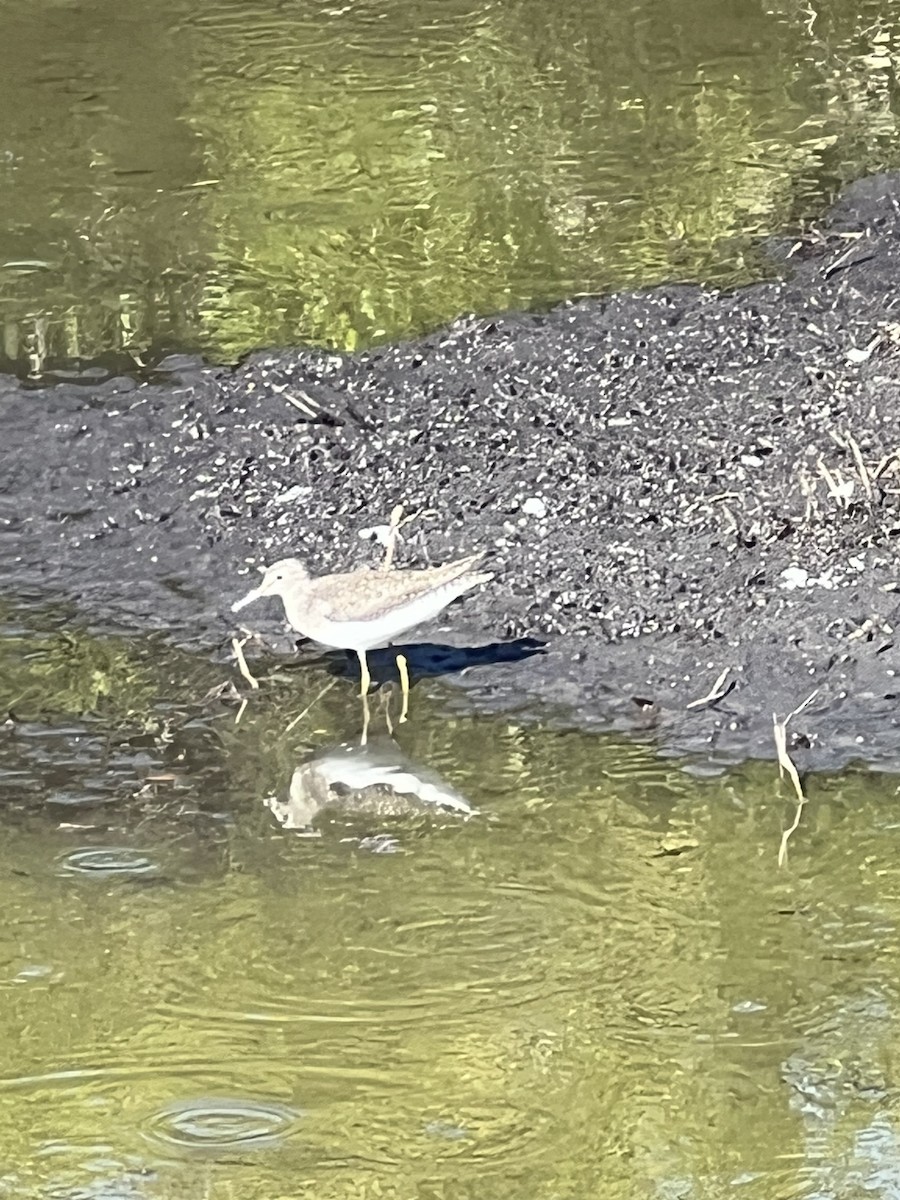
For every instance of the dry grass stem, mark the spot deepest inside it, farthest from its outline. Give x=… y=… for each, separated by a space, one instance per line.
x=889 y=464
x=786 y=766
x=835 y=483
x=389 y=535
x=309 y=407
x=716 y=692
x=860 y=466
x=237 y=647
x=870 y=476
x=393 y=532
x=848 y=442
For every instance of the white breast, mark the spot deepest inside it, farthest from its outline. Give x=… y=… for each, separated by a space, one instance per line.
x=366 y=635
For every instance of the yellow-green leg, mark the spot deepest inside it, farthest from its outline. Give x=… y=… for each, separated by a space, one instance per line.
x=403 y=669
x=364 y=677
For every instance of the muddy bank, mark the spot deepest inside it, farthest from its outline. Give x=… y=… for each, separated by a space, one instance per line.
x=671 y=484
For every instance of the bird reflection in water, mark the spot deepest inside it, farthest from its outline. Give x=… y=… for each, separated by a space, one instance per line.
x=375 y=779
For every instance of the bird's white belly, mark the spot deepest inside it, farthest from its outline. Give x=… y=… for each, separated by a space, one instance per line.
x=366 y=635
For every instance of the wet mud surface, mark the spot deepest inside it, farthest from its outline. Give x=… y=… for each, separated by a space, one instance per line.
x=670 y=485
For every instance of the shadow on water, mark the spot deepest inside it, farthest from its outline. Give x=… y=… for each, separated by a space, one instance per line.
x=425 y=659
x=511 y=960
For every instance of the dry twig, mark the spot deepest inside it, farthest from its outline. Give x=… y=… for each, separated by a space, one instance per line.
x=716 y=692
x=840 y=490
x=785 y=765
x=237 y=647
x=392 y=535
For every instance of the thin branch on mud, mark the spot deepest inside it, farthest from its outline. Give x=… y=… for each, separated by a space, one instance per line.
x=889 y=461
x=309 y=407
x=840 y=490
x=847 y=441
x=860 y=466
x=716 y=692
x=842 y=260
x=785 y=765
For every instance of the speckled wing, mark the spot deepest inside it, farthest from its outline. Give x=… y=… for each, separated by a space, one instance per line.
x=368 y=594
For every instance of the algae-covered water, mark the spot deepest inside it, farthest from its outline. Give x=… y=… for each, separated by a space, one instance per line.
x=601 y=984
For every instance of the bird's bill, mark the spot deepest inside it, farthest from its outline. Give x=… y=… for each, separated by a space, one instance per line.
x=248 y=599
x=256 y=594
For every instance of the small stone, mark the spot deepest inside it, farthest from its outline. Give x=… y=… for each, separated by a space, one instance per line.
x=794 y=577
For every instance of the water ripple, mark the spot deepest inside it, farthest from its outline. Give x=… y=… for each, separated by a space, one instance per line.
x=107 y=860
x=213 y=1123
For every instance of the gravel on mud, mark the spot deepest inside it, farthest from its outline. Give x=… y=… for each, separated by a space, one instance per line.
x=683 y=491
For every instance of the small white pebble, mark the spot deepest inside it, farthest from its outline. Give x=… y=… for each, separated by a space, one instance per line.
x=794 y=577
x=534 y=506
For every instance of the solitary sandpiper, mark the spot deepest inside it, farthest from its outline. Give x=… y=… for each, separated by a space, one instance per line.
x=360 y=610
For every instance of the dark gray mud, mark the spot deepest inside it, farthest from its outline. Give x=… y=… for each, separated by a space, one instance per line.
x=670 y=484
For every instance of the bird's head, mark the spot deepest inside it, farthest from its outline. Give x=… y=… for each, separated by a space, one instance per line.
x=281 y=579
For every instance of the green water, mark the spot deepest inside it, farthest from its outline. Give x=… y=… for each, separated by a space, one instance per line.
x=601 y=985
x=244 y=173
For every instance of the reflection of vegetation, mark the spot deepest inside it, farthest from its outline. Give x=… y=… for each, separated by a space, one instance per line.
x=325 y=179
x=67 y=673
x=365 y=219
x=70 y=672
